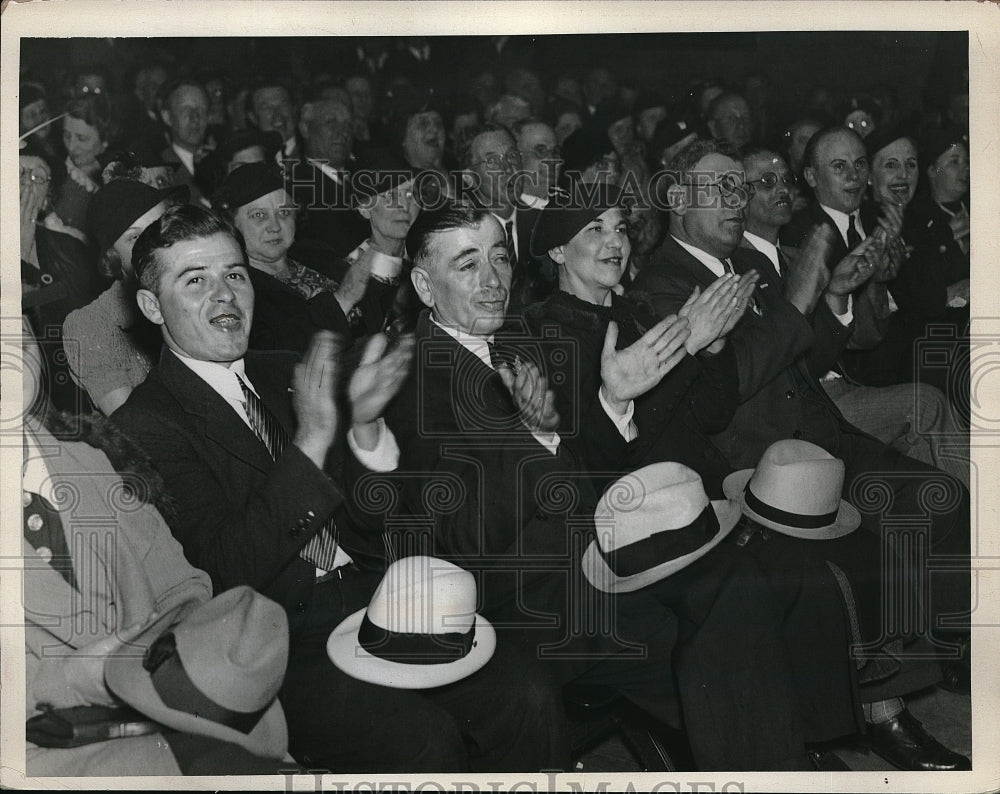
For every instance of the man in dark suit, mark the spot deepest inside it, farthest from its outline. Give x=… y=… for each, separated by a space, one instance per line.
x=836 y=168
x=485 y=479
x=321 y=183
x=271 y=107
x=492 y=163
x=184 y=112
x=247 y=469
x=781 y=347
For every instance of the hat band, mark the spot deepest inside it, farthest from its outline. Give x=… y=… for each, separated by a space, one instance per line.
x=404 y=648
x=178 y=692
x=779 y=516
x=662 y=546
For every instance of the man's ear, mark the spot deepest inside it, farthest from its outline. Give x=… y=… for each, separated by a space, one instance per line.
x=365 y=212
x=149 y=305
x=422 y=284
x=165 y=116
x=810 y=176
x=677 y=199
x=558 y=254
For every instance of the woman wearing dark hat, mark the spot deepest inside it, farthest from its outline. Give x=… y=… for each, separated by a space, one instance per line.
x=110 y=347
x=291 y=301
x=589 y=157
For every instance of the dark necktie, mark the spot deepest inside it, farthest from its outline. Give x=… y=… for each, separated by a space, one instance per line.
x=43 y=529
x=853 y=237
x=321 y=550
x=511 y=248
x=782 y=263
x=497 y=358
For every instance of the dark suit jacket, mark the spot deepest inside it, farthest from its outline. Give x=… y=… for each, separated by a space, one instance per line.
x=241 y=516
x=184 y=177
x=780 y=397
x=479 y=488
x=328 y=213
x=284 y=320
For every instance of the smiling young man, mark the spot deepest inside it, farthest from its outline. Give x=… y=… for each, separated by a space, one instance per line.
x=248 y=462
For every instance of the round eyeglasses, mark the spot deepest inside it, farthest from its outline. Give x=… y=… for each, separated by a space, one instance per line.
x=770 y=179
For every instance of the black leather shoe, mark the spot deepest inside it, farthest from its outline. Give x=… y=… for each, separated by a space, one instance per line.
x=903 y=742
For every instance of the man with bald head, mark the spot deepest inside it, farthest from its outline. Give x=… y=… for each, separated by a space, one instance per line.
x=321 y=185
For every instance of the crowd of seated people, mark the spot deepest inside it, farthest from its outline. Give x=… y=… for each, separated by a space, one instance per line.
x=634 y=382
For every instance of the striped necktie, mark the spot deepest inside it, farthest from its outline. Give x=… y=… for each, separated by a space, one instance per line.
x=511 y=248
x=321 y=550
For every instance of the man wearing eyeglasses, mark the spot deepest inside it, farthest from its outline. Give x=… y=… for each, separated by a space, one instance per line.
x=781 y=350
x=541 y=158
x=493 y=178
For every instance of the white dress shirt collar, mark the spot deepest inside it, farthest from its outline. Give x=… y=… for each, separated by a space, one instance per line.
x=767 y=248
x=476 y=345
x=186 y=157
x=712 y=263
x=842 y=220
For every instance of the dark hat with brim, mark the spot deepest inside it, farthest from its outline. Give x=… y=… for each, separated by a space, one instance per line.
x=938 y=141
x=584 y=147
x=382 y=170
x=882 y=137
x=245 y=184
x=121 y=202
x=568 y=212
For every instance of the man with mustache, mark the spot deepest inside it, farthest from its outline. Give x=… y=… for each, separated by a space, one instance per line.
x=782 y=348
x=257 y=474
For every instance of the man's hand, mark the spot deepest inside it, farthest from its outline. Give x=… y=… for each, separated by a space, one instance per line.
x=534 y=399
x=809 y=275
x=375 y=382
x=708 y=312
x=748 y=282
x=85 y=666
x=313 y=388
x=628 y=373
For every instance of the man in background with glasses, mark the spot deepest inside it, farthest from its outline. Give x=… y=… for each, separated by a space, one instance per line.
x=494 y=175
x=542 y=160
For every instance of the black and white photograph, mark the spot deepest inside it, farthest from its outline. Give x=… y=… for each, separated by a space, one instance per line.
x=530 y=396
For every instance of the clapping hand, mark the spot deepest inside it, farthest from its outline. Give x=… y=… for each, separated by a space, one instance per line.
x=378 y=377
x=854 y=269
x=532 y=396
x=313 y=389
x=636 y=369
x=708 y=312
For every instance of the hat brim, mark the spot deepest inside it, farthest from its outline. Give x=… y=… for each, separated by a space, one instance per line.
x=347 y=654
x=848 y=518
x=600 y=575
x=129 y=680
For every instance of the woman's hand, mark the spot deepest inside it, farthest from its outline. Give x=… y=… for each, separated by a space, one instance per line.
x=629 y=373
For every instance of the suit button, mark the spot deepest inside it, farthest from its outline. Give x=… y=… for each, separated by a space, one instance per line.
x=797 y=434
x=789 y=394
x=300 y=607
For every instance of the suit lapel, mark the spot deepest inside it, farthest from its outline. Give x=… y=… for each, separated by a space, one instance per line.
x=678 y=257
x=216 y=418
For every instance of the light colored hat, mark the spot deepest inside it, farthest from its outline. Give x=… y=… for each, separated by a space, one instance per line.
x=420 y=629
x=652 y=523
x=795 y=490
x=214 y=671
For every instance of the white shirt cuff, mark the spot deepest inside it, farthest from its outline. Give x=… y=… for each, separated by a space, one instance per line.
x=847 y=317
x=385 y=266
x=626 y=427
x=548 y=440
x=385 y=456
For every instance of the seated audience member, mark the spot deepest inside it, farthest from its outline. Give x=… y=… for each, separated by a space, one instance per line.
x=615 y=119
x=363 y=105
x=322 y=184
x=142 y=126
x=270 y=107
x=780 y=350
x=504 y=518
x=796 y=136
x=565 y=117
x=139 y=165
x=863 y=116
x=292 y=301
x=246 y=146
x=377 y=265
x=914 y=418
x=184 y=112
x=729 y=118
x=244 y=454
x=541 y=159
x=648 y=111
x=33 y=106
x=491 y=163
x=88 y=129
x=110 y=347
x=58 y=274
x=507 y=111
x=837 y=169
x=418 y=133
x=89 y=594
x=463 y=118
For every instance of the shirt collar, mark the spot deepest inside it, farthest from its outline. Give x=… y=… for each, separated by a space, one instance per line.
x=533 y=202
x=769 y=249
x=712 y=263
x=841 y=220
x=221 y=378
x=476 y=345
x=330 y=171
x=186 y=157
